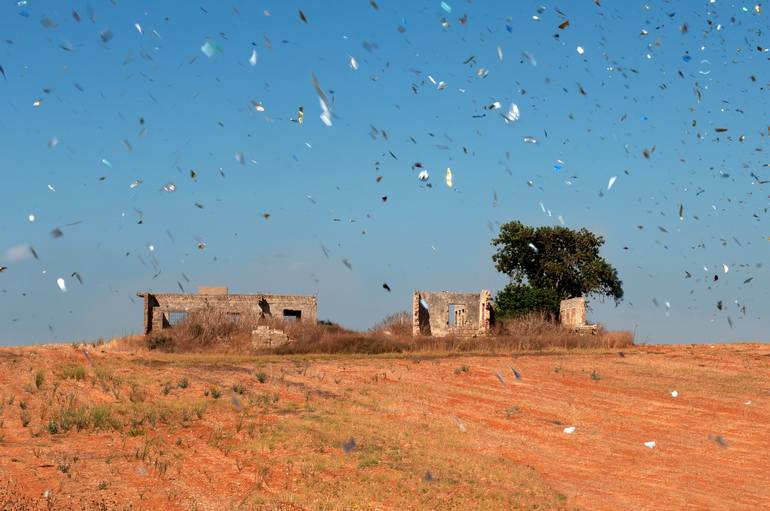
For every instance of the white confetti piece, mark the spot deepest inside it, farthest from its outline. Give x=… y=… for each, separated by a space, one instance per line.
x=326 y=114
x=353 y=63
x=569 y=430
x=650 y=444
x=611 y=182
x=253 y=58
x=513 y=114
x=60 y=282
x=31 y=217
x=138 y=28
x=209 y=49
x=449 y=177
x=674 y=393
x=580 y=50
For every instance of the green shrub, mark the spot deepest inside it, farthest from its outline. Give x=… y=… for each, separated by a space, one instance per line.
x=101 y=418
x=216 y=393
x=166 y=388
x=183 y=383
x=518 y=300
x=261 y=377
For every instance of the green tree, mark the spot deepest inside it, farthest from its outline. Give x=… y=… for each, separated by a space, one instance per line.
x=562 y=260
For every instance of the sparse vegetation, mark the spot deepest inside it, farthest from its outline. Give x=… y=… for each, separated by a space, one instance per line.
x=159 y=342
x=25 y=417
x=73 y=371
x=183 y=383
x=398 y=324
x=290 y=434
x=136 y=395
x=39 y=378
x=462 y=369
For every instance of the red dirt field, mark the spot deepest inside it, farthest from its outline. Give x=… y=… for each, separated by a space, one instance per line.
x=145 y=430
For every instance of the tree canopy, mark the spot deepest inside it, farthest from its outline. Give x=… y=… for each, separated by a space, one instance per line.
x=559 y=259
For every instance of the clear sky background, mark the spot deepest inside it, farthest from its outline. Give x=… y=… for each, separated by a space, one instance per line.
x=118 y=103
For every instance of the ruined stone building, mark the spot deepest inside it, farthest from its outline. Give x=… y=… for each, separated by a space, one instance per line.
x=442 y=313
x=162 y=310
x=572 y=314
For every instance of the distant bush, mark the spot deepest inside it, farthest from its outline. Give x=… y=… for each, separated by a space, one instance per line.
x=159 y=342
x=398 y=324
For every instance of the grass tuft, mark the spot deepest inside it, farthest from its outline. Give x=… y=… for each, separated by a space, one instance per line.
x=73 y=371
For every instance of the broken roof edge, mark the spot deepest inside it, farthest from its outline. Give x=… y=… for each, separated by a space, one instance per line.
x=454 y=292
x=142 y=294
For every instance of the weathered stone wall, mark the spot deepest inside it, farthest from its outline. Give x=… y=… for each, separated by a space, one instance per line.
x=157 y=307
x=431 y=313
x=265 y=337
x=212 y=290
x=572 y=312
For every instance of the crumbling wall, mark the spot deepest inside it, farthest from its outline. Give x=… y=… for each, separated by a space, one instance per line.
x=265 y=337
x=158 y=307
x=442 y=313
x=572 y=314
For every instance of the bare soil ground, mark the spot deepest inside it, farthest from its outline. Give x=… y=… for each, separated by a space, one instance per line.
x=143 y=430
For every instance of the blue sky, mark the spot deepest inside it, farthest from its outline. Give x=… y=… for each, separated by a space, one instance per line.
x=121 y=105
